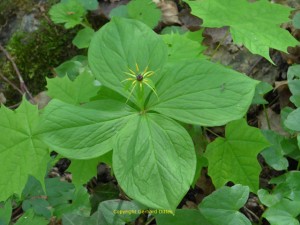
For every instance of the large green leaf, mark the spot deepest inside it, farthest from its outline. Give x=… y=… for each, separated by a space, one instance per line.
x=82 y=133
x=83 y=170
x=119 y=46
x=74 y=92
x=182 y=217
x=234 y=158
x=118 y=212
x=251 y=23
x=154 y=161
x=19 y=145
x=221 y=207
x=204 y=93
x=180 y=47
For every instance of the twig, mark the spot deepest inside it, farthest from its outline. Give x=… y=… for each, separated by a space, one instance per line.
x=11 y=83
x=14 y=106
x=210 y=131
x=267 y=117
x=251 y=213
x=220 y=43
x=23 y=86
x=147 y=223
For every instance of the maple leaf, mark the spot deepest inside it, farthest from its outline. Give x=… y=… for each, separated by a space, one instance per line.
x=255 y=25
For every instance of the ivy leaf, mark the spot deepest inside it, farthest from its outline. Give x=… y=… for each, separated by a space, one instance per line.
x=119 y=46
x=145 y=11
x=112 y=211
x=293 y=120
x=83 y=38
x=296 y=21
x=234 y=158
x=288 y=186
x=274 y=155
x=83 y=170
x=294 y=83
x=29 y=218
x=180 y=47
x=108 y=213
x=40 y=206
x=182 y=217
x=58 y=192
x=64 y=198
x=5 y=212
x=74 y=92
x=75 y=132
x=251 y=23
x=221 y=207
x=283 y=213
x=75 y=219
x=284 y=202
x=261 y=89
x=103 y=192
x=70 y=13
x=203 y=93
x=154 y=161
x=20 y=146
x=72 y=68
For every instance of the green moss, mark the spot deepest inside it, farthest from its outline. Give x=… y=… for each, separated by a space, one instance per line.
x=37 y=53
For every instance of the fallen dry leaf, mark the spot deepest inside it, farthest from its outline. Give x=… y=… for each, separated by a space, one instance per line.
x=169 y=12
x=284 y=94
x=218 y=35
x=275 y=122
x=42 y=99
x=188 y=20
x=2 y=98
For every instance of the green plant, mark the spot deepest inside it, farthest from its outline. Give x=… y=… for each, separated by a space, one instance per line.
x=128 y=104
x=142 y=131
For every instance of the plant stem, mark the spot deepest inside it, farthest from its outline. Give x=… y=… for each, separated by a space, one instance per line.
x=210 y=131
x=150 y=221
x=252 y=213
x=267 y=117
x=220 y=43
x=23 y=86
x=11 y=83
